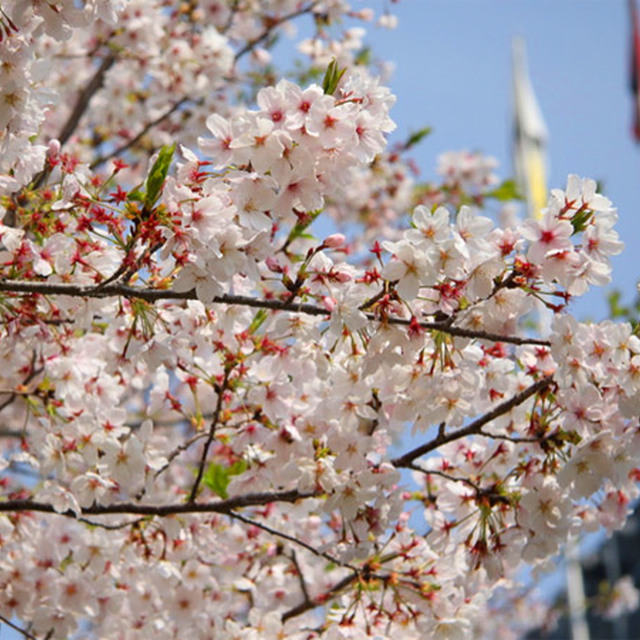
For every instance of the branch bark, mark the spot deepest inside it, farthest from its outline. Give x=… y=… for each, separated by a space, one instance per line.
x=79 y=109
x=152 y=295
x=272 y=25
x=130 y=508
x=15 y=627
x=303 y=607
x=475 y=428
x=293 y=539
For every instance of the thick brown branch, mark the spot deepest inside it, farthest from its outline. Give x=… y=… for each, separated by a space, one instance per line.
x=220 y=506
x=475 y=428
x=151 y=295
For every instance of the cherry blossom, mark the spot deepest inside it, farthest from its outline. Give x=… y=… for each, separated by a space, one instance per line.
x=260 y=380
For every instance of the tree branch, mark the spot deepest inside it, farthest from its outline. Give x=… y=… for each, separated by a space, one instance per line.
x=152 y=295
x=303 y=582
x=442 y=474
x=79 y=109
x=273 y=23
x=475 y=428
x=100 y=160
x=303 y=607
x=130 y=143
x=220 y=506
x=85 y=97
x=212 y=431
x=177 y=451
x=293 y=539
x=15 y=627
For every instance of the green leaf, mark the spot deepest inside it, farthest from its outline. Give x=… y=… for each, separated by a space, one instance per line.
x=217 y=477
x=157 y=176
x=616 y=309
x=136 y=194
x=417 y=136
x=507 y=191
x=332 y=77
x=580 y=220
x=258 y=320
x=363 y=57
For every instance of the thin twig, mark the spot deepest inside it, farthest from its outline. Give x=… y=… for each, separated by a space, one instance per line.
x=442 y=474
x=130 y=143
x=303 y=607
x=17 y=394
x=293 y=539
x=276 y=22
x=303 y=582
x=152 y=295
x=475 y=428
x=111 y=527
x=177 y=451
x=15 y=627
x=212 y=432
x=519 y=440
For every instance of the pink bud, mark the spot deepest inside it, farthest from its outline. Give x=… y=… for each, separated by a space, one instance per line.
x=273 y=265
x=54 y=148
x=329 y=303
x=334 y=241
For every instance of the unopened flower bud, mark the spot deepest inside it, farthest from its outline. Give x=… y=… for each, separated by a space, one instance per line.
x=341 y=276
x=273 y=265
x=334 y=241
x=329 y=303
x=54 y=148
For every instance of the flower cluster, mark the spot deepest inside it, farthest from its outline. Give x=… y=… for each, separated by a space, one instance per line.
x=216 y=423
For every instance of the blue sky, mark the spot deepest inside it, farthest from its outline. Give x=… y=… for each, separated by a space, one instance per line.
x=453 y=72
